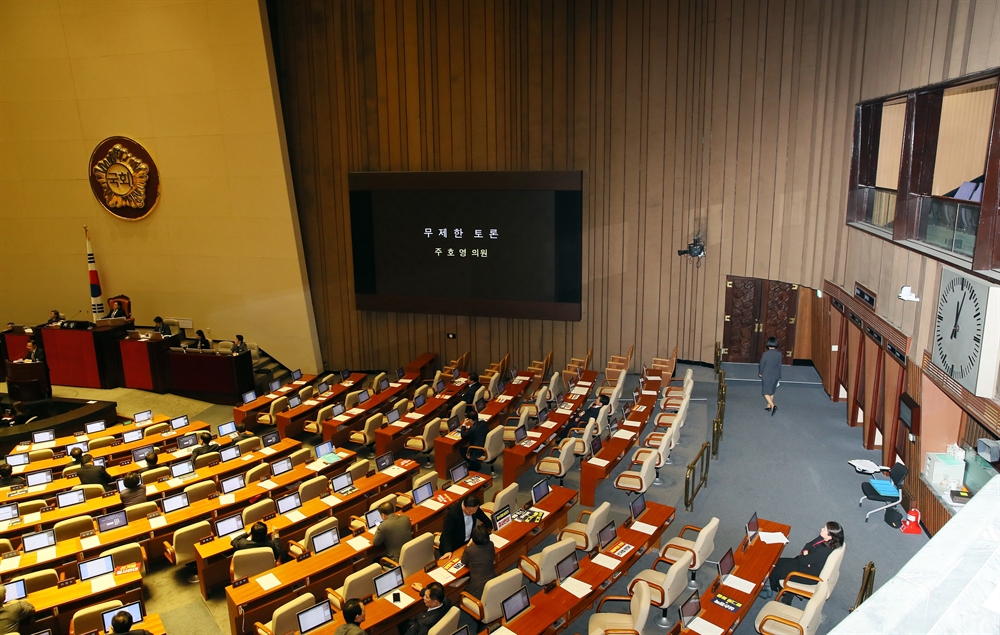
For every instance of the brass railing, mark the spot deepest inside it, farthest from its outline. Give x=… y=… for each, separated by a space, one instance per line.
x=718 y=357
x=692 y=485
x=867 y=584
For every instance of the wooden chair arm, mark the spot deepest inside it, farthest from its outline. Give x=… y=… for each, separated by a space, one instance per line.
x=518 y=419
x=586 y=512
x=232 y=573
x=260 y=628
x=613 y=598
x=652 y=585
x=691 y=527
x=804 y=576
x=620 y=631
x=388 y=563
x=478 y=447
x=619 y=359
x=780 y=620
x=566 y=530
x=632 y=464
x=580 y=430
x=169 y=552
x=330 y=594
x=665 y=559
x=479 y=606
x=694 y=556
x=298 y=545
x=538 y=572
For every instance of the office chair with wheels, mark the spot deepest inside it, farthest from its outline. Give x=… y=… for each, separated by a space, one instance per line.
x=896 y=475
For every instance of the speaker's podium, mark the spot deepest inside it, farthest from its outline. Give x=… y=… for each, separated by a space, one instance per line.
x=28 y=381
x=80 y=353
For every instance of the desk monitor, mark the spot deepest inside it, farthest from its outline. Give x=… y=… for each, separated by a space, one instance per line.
x=83 y=445
x=39 y=540
x=345 y=374
x=296 y=374
x=501 y=387
x=455 y=373
x=112 y=521
x=400 y=372
x=363 y=396
x=637 y=506
x=341 y=482
x=513 y=372
x=230 y=453
x=227 y=428
x=595 y=444
x=95 y=567
x=133 y=435
x=459 y=472
x=418 y=401
x=187 y=441
x=502 y=518
x=607 y=534
x=383 y=384
x=99 y=462
x=726 y=565
x=519 y=433
x=539 y=491
x=294 y=402
x=613 y=425
x=338 y=409
x=47 y=631
x=229 y=525
x=181 y=468
x=383 y=461
x=420 y=494
x=567 y=566
x=41 y=477
x=9 y=511
x=281 y=466
x=543 y=415
x=43 y=436
x=178 y=422
x=70 y=498
x=392 y=417
x=133 y=608
x=94 y=427
x=480 y=404
x=515 y=604
x=324 y=540
x=248 y=396
x=288 y=503
x=270 y=438
x=274 y=386
x=388 y=582
x=17 y=459
x=173 y=503
x=373 y=519
x=439 y=387
x=139 y=454
x=453 y=423
x=322 y=388
x=314 y=617
x=15 y=590
x=462 y=631
x=753 y=527
x=324 y=449
x=626 y=410
x=690 y=608
x=120 y=485
x=233 y=483
x=142 y=417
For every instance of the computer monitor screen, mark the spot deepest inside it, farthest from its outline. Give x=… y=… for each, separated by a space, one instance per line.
x=229 y=525
x=8 y=511
x=36 y=541
x=383 y=384
x=139 y=454
x=752 y=528
x=501 y=387
x=248 y=396
x=15 y=590
x=543 y=415
x=95 y=567
x=173 y=503
x=294 y=401
x=112 y=521
x=94 y=426
x=362 y=396
x=70 y=498
x=626 y=410
x=142 y=417
x=233 y=483
x=539 y=491
x=338 y=409
x=280 y=467
x=596 y=444
x=453 y=423
x=324 y=448
x=230 y=453
x=462 y=631
x=178 y=470
x=227 y=428
x=82 y=445
x=519 y=433
x=373 y=519
x=179 y=422
x=607 y=534
x=456 y=373
x=342 y=481
x=322 y=388
x=99 y=462
x=726 y=563
x=393 y=416
x=459 y=472
x=186 y=441
x=270 y=438
x=47 y=631
x=502 y=517
x=324 y=540
x=286 y=504
x=40 y=477
x=388 y=581
x=567 y=566
x=480 y=404
x=420 y=494
x=296 y=374
x=120 y=485
x=17 y=459
x=274 y=385
x=134 y=609
x=515 y=604
x=43 y=436
x=439 y=387
x=384 y=461
x=418 y=401
x=132 y=436
x=400 y=372
x=637 y=506
x=344 y=374
x=513 y=372
x=690 y=608
x=312 y=618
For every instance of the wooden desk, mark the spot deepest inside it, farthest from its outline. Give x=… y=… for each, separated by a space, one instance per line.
x=27 y=381
x=144 y=364
x=419 y=369
x=617 y=448
x=249 y=411
x=217 y=378
x=291 y=421
x=54 y=607
x=17 y=345
x=88 y=358
x=114 y=430
x=518 y=459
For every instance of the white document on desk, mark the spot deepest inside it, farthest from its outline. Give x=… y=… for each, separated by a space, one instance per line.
x=704 y=627
x=405 y=600
x=393 y=471
x=355 y=411
x=330 y=500
x=17 y=469
x=540 y=511
x=598 y=462
x=34 y=489
x=405 y=380
x=227 y=499
x=267 y=451
x=498 y=541
x=643 y=528
x=441 y=575
x=734 y=582
x=268 y=581
x=588 y=384
x=535 y=434
x=577 y=588
x=564 y=411
x=285 y=389
x=174 y=482
x=773 y=538
x=623 y=434
x=159 y=521
x=45 y=554
x=414 y=416
x=311 y=402
x=267 y=484
x=315 y=466
x=458 y=490
x=43 y=446
x=580 y=390
x=359 y=542
x=402 y=423
x=102 y=583
x=31 y=518
x=503 y=630
x=432 y=504
x=295 y=516
x=90 y=542
x=649 y=392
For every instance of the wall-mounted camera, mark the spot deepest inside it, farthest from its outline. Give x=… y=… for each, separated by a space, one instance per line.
x=695 y=250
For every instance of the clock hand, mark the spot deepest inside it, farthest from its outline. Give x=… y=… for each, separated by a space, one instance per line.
x=958 y=313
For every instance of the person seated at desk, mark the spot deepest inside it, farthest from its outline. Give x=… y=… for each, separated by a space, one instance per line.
x=34 y=353
x=14 y=614
x=201 y=342
x=241 y=432
x=135 y=491
x=116 y=310
x=258 y=538
x=474 y=430
x=354 y=615
x=582 y=419
x=7 y=477
x=76 y=456
x=151 y=459
x=160 y=327
x=91 y=474
x=480 y=557
x=810 y=560
x=458 y=524
x=470 y=393
x=54 y=317
x=10 y=326
x=122 y=623
x=240 y=346
x=394 y=530
x=18 y=416
x=436 y=604
x=207 y=445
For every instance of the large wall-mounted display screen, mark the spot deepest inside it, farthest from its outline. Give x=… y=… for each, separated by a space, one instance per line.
x=498 y=244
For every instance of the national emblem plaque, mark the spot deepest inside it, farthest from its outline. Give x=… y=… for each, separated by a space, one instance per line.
x=124 y=178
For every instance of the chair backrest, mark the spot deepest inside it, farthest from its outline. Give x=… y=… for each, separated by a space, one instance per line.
x=566 y=456
x=5 y=546
x=831 y=569
x=597 y=521
x=639 y=606
x=602 y=419
x=351 y=399
x=307 y=392
x=140 y=510
x=417 y=554
x=40 y=455
x=492 y=385
x=200 y=491
x=556 y=384
x=359 y=469
x=315 y=487
x=329 y=379
x=551 y=556
x=207 y=458
x=506 y=496
x=151 y=476
x=70 y=470
x=90 y=490
x=283 y=619
x=430 y=477
x=812 y=612
x=676 y=579
x=543 y=396
x=278 y=405
x=247 y=446
x=497 y=590
x=897 y=474
x=186 y=538
x=38 y=580
x=89 y=619
x=663 y=447
x=494 y=443
x=100 y=442
x=447 y=624
x=249 y=562
x=458 y=410
x=28 y=507
x=255 y=473
x=127 y=554
x=388 y=498
x=648 y=471
x=225 y=346
x=72 y=527
x=301 y=456
x=373 y=423
x=431 y=431
x=361 y=584
x=326 y=412
x=375 y=381
x=402 y=406
x=257 y=511
x=323 y=525
x=704 y=545
x=156 y=428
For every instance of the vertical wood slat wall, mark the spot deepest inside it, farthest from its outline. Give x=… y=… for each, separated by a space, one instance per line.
x=732 y=117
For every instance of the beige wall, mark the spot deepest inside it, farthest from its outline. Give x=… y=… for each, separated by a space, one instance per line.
x=890 y=145
x=966 y=120
x=191 y=81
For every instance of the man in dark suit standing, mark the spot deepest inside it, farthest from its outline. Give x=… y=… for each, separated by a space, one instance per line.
x=436 y=604
x=458 y=524
x=474 y=430
x=91 y=474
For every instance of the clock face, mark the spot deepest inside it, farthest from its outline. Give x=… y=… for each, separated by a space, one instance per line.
x=958 y=332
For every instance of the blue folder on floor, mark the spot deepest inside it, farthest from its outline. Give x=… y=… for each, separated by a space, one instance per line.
x=884 y=487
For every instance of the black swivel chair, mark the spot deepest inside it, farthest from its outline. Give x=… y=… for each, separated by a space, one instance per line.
x=896 y=475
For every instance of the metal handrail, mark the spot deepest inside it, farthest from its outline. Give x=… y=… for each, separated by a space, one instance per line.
x=867 y=585
x=716 y=437
x=718 y=357
x=691 y=489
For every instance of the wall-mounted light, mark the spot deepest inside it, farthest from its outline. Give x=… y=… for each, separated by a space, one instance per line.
x=906 y=295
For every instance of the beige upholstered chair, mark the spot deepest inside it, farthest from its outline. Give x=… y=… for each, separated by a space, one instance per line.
x=673 y=419
x=315 y=426
x=40 y=455
x=585 y=533
x=30 y=507
x=153 y=475
x=351 y=400
x=633 y=622
x=181 y=550
x=257 y=511
x=532 y=409
x=701 y=547
x=359 y=469
x=506 y=496
x=777 y=618
x=447 y=624
x=660 y=452
x=307 y=392
x=664 y=587
x=127 y=554
x=424 y=444
x=280 y=404
x=375 y=381
x=301 y=456
x=559 y=461
x=316 y=487
x=296 y=548
x=155 y=429
x=204 y=460
x=247 y=446
x=225 y=346
x=541 y=567
x=582 y=445
x=637 y=481
x=38 y=580
x=402 y=500
x=5 y=546
x=90 y=490
x=140 y=511
x=366 y=437
x=493 y=449
x=358 y=585
x=89 y=619
x=672 y=390
x=250 y=562
x=509 y=430
x=100 y=442
x=830 y=574
x=72 y=527
x=283 y=619
x=488 y=608
x=70 y=470
x=258 y=472
x=200 y=491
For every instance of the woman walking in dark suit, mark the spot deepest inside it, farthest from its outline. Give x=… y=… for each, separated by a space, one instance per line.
x=479 y=557
x=769 y=371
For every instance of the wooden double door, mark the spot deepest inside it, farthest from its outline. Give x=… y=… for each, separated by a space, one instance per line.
x=757 y=309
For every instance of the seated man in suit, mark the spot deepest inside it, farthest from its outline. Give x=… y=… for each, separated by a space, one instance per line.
x=207 y=445
x=258 y=538
x=91 y=474
x=116 y=310
x=135 y=491
x=160 y=327
x=7 y=477
x=241 y=432
x=54 y=317
x=583 y=418
x=15 y=614
x=470 y=393
x=122 y=623
x=354 y=616
x=151 y=459
x=474 y=430
x=436 y=604
x=240 y=346
x=458 y=524
x=394 y=530
x=34 y=354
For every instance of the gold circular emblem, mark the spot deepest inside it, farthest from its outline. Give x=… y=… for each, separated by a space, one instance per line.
x=124 y=178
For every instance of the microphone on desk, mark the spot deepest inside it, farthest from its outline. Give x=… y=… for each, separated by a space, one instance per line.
x=74 y=316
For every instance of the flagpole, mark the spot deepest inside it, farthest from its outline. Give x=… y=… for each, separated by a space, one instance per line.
x=96 y=298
